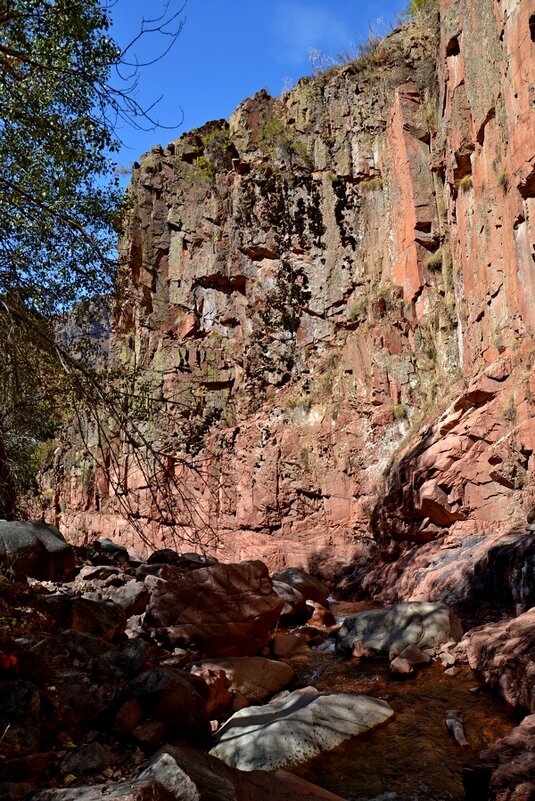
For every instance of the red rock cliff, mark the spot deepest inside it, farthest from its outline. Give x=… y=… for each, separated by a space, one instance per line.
x=312 y=281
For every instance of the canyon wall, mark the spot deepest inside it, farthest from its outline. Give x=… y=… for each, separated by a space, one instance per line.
x=329 y=304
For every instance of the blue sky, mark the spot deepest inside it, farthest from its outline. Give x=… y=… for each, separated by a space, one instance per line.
x=229 y=49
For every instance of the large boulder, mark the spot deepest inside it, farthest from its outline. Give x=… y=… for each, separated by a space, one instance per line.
x=222 y=610
x=295 y=609
x=107 y=552
x=215 y=781
x=389 y=631
x=295 y=729
x=310 y=587
x=504 y=653
x=253 y=677
x=36 y=550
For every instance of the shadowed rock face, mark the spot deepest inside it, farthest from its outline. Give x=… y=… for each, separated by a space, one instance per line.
x=310 y=279
x=470 y=572
x=507 y=770
x=293 y=730
x=504 y=653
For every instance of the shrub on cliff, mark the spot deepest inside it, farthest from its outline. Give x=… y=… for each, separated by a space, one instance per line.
x=418 y=7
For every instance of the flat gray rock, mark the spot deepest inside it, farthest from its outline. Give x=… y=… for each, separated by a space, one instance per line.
x=389 y=631
x=295 y=729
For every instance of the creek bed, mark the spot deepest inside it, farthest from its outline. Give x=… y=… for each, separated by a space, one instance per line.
x=412 y=757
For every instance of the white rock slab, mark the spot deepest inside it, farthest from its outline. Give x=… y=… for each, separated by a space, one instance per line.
x=295 y=729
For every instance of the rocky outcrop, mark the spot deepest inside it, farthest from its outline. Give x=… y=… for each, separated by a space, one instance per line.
x=266 y=269
x=329 y=302
x=475 y=572
x=507 y=770
x=470 y=467
x=504 y=653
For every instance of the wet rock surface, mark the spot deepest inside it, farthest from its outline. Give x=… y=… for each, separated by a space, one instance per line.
x=507 y=770
x=384 y=763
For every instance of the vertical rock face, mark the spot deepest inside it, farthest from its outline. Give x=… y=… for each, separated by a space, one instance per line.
x=311 y=281
x=471 y=471
x=486 y=77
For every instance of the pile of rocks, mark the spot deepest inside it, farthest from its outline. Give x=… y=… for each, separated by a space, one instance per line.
x=159 y=679
x=116 y=671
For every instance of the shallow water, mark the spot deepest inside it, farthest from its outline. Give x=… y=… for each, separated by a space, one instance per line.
x=412 y=757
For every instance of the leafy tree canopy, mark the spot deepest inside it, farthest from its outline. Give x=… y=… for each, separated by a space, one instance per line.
x=60 y=201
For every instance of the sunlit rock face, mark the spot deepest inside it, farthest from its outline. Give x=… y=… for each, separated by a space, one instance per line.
x=330 y=298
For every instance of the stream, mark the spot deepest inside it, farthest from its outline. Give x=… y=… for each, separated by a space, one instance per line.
x=412 y=757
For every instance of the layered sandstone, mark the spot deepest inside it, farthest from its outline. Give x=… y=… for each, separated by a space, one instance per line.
x=310 y=283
